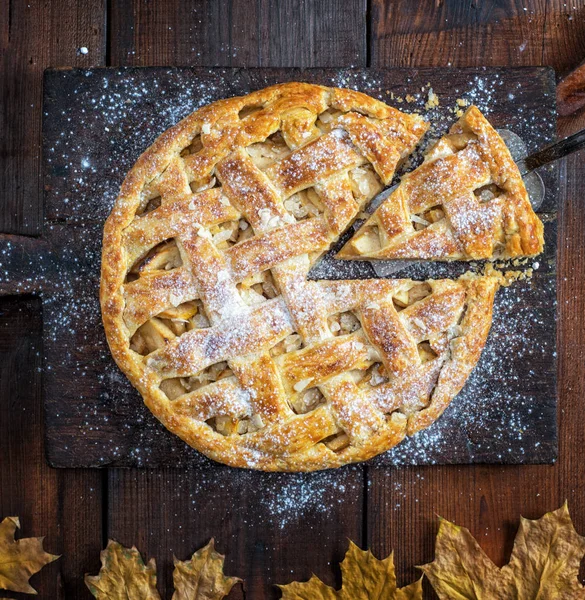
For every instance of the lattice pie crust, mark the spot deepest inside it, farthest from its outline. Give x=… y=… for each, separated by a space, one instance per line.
x=466 y=201
x=206 y=304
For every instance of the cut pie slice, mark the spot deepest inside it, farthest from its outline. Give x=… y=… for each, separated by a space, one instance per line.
x=466 y=201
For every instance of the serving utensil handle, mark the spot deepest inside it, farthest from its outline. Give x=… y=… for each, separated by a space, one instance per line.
x=555 y=151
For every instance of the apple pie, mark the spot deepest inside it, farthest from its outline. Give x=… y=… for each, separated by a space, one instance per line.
x=206 y=303
x=466 y=201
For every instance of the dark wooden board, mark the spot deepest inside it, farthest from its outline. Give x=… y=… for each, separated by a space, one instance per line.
x=97 y=122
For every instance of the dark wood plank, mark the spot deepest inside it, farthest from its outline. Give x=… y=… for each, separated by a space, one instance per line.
x=569 y=471
x=564 y=35
x=27 y=265
x=20 y=421
x=488 y=499
x=260 y=521
x=311 y=34
x=64 y=506
x=469 y=33
x=239 y=33
x=404 y=504
x=273 y=528
x=102 y=420
x=458 y=34
x=35 y=35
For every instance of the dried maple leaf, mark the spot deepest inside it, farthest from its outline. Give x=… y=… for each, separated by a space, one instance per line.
x=124 y=576
x=364 y=577
x=544 y=563
x=202 y=577
x=21 y=559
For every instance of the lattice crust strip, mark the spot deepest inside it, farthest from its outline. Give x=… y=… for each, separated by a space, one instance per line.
x=466 y=201
x=206 y=303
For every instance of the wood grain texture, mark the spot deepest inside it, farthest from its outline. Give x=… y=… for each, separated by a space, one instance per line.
x=22 y=260
x=569 y=476
x=33 y=36
x=273 y=528
x=64 y=506
x=487 y=499
x=239 y=33
x=563 y=35
x=176 y=511
x=102 y=421
x=402 y=504
x=474 y=33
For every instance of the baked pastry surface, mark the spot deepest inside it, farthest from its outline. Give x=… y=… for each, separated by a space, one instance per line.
x=206 y=304
x=466 y=201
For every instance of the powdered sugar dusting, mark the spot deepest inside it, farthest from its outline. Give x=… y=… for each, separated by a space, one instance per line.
x=87 y=157
x=260 y=500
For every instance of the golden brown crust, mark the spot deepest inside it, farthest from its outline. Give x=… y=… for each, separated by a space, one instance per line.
x=467 y=201
x=230 y=346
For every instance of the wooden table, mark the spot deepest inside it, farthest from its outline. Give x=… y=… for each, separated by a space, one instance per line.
x=172 y=511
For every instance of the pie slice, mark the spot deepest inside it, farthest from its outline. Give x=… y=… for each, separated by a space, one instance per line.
x=466 y=201
x=205 y=298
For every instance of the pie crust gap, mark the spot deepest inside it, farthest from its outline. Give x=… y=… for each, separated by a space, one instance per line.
x=466 y=201
x=206 y=303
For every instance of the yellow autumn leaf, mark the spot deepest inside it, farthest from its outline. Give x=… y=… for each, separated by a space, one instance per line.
x=20 y=559
x=201 y=577
x=544 y=563
x=124 y=576
x=363 y=577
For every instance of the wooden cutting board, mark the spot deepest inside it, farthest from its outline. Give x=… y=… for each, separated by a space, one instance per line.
x=96 y=124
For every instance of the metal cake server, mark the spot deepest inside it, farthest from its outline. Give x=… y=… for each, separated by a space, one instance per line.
x=330 y=267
